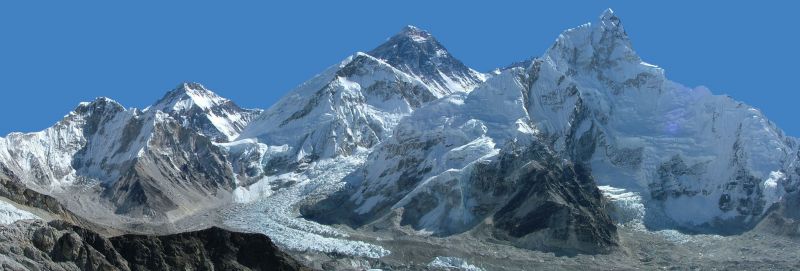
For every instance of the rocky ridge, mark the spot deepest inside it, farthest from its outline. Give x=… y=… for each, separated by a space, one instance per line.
x=57 y=245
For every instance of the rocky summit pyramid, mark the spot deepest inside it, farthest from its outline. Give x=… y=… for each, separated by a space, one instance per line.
x=418 y=53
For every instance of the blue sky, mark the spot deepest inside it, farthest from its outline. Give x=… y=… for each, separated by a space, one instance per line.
x=56 y=54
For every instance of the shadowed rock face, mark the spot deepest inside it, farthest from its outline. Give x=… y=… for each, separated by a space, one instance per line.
x=553 y=206
x=181 y=171
x=211 y=249
x=783 y=218
x=34 y=245
x=527 y=197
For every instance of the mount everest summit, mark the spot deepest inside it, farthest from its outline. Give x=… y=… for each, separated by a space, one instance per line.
x=405 y=143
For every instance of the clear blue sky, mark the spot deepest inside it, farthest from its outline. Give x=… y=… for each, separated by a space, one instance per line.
x=56 y=54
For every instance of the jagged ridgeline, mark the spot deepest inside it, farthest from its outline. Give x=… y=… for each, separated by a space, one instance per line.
x=407 y=141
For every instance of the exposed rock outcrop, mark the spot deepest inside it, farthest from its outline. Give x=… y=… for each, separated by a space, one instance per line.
x=58 y=245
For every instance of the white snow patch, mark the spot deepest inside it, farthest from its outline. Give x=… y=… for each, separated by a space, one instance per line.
x=648 y=64
x=773 y=193
x=453 y=263
x=10 y=214
x=628 y=207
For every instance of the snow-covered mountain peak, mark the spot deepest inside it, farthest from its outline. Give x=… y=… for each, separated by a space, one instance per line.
x=195 y=106
x=637 y=130
x=418 y=53
x=189 y=86
x=350 y=107
x=193 y=85
x=606 y=31
x=609 y=16
x=99 y=103
x=609 y=22
x=359 y=80
x=601 y=50
x=416 y=34
x=185 y=96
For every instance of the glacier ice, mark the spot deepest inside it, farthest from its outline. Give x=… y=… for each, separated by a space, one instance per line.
x=10 y=213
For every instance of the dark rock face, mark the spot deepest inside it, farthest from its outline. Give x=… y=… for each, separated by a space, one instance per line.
x=668 y=185
x=211 y=249
x=180 y=167
x=414 y=94
x=59 y=245
x=417 y=52
x=783 y=218
x=554 y=207
x=533 y=199
x=11 y=188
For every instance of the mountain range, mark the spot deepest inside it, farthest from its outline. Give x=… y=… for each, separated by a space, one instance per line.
x=569 y=153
